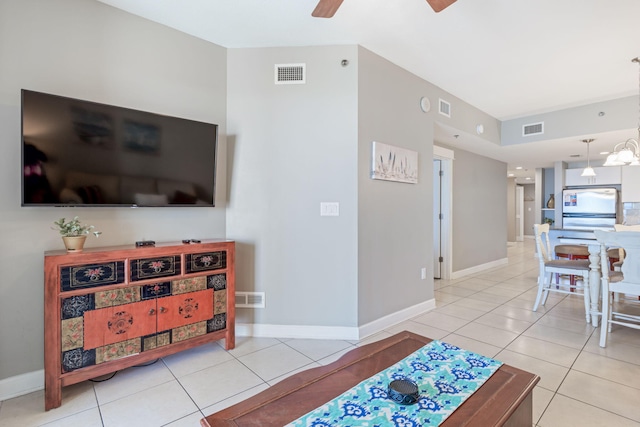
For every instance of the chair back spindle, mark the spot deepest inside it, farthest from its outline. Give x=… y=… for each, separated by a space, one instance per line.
x=628 y=283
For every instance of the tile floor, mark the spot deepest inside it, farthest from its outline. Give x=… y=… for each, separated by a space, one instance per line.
x=488 y=313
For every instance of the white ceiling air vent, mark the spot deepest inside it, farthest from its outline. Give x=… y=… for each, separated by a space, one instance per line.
x=533 y=129
x=250 y=299
x=290 y=74
x=444 y=108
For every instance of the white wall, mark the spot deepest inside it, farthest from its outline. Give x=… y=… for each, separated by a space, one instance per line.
x=85 y=49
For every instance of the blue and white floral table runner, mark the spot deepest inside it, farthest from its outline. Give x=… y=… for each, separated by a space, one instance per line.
x=445 y=374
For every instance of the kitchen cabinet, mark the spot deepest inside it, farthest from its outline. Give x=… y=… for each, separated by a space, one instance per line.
x=605 y=175
x=630 y=189
x=107 y=309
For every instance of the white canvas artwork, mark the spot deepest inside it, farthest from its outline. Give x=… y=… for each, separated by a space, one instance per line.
x=394 y=163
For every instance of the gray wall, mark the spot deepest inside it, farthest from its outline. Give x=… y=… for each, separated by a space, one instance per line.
x=620 y=114
x=85 y=49
x=292 y=147
x=395 y=231
x=511 y=209
x=479 y=210
x=529 y=208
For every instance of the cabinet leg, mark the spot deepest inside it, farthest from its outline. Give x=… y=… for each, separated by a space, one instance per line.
x=230 y=338
x=52 y=395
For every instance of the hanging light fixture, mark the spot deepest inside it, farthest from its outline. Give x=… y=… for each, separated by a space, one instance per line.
x=627 y=152
x=588 y=171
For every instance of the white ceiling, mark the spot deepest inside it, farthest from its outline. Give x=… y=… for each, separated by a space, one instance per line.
x=509 y=58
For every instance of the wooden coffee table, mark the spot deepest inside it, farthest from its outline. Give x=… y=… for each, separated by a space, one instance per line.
x=505 y=399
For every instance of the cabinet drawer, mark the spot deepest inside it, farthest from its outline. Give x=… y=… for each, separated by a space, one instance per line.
x=151 y=268
x=91 y=275
x=119 y=323
x=184 y=309
x=206 y=261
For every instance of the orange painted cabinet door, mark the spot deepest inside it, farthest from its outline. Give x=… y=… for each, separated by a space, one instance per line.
x=119 y=323
x=184 y=309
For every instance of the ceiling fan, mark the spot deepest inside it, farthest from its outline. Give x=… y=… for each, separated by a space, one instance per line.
x=327 y=8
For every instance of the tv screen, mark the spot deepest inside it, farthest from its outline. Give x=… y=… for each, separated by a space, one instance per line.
x=82 y=153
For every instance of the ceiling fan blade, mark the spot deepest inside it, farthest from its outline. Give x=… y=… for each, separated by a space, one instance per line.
x=326 y=8
x=438 y=5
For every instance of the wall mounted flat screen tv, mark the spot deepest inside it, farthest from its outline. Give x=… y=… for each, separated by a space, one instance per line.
x=81 y=153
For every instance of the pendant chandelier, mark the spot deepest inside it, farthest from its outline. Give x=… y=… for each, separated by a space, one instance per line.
x=588 y=171
x=627 y=152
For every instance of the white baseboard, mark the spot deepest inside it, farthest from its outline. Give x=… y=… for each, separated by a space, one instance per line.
x=478 y=268
x=333 y=332
x=21 y=384
x=395 y=318
x=296 y=331
x=34 y=381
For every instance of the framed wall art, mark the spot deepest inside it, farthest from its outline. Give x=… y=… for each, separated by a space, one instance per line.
x=391 y=163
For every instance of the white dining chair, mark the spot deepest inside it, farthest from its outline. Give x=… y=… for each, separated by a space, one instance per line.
x=627 y=281
x=624 y=227
x=618 y=264
x=548 y=266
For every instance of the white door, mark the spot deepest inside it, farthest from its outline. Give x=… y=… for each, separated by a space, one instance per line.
x=519 y=213
x=437 y=219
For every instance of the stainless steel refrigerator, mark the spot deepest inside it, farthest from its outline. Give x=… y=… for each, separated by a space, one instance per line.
x=589 y=208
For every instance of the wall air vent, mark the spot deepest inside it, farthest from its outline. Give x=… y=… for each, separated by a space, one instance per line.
x=250 y=299
x=444 y=107
x=533 y=129
x=290 y=74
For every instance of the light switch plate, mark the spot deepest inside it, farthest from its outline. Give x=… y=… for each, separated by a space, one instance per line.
x=329 y=209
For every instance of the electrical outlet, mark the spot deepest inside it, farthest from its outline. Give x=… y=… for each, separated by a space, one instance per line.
x=423 y=273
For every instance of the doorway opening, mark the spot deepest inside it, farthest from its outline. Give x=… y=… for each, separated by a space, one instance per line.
x=442 y=190
x=519 y=213
x=437 y=219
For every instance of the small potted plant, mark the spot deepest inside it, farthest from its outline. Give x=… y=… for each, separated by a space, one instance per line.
x=74 y=233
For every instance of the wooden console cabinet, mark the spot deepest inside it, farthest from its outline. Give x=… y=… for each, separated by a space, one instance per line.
x=107 y=309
